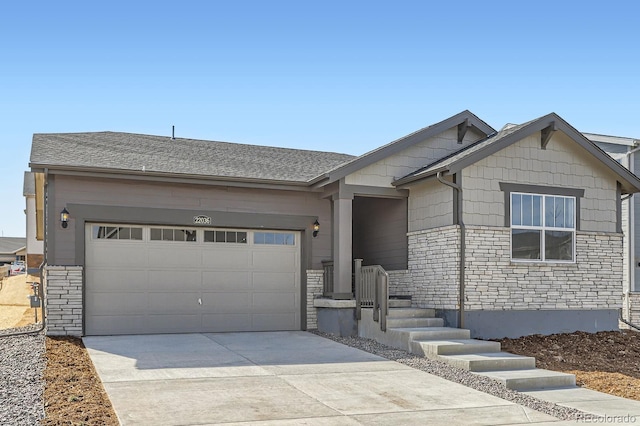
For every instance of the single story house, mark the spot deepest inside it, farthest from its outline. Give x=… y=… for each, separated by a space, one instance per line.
x=12 y=249
x=508 y=232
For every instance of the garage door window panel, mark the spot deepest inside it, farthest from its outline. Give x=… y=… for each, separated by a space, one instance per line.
x=225 y=237
x=274 y=238
x=172 y=234
x=104 y=232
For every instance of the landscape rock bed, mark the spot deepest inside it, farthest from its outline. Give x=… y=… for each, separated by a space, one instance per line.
x=22 y=363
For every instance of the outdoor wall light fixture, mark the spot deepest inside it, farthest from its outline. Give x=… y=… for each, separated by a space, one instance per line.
x=316 y=228
x=64 y=217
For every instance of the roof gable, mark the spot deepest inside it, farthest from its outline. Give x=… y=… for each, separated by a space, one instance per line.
x=509 y=135
x=463 y=119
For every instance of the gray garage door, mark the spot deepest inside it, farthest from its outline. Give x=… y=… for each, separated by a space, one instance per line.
x=162 y=279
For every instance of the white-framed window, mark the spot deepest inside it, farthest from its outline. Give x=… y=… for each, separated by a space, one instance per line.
x=543 y=227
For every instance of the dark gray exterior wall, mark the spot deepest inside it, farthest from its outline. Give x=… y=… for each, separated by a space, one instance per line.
x=122 y=201
x=516 y=323
x=380 y=232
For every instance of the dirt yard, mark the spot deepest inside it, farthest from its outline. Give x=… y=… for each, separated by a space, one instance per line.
x=73 y=393
x=14 y=302
x=608 y=361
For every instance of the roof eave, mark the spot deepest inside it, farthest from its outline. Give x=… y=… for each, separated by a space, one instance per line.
x=413 y=179
x=126 y=173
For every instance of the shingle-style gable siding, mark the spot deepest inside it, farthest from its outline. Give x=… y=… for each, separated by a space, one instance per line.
x=562 y=164
x=430 y=205
x=385 y=171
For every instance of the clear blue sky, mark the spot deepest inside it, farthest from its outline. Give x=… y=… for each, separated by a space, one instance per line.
x=334 y=75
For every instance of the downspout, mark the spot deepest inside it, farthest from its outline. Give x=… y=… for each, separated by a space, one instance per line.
x=44 y=261
x=629 y=323
x=458 y=190
x=632 y=249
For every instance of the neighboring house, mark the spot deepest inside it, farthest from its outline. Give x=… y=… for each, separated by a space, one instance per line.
x=625 y=151
x=12 y=249
x=178 y=235
x=35 y=247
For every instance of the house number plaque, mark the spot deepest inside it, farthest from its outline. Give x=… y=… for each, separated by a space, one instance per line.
x=202 y=220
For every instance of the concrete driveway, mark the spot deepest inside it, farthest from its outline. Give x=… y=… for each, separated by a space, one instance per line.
x=280 y=378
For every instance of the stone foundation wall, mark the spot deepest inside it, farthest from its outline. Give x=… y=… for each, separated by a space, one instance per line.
x=314 y=291
x=63 y=292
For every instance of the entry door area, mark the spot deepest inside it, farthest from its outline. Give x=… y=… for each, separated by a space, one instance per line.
x=163 y=279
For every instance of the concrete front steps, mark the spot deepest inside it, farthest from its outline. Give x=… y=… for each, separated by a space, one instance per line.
x=417 y=331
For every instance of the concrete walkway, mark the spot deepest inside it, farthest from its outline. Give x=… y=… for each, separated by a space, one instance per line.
x=599 y=407
x=280 y=378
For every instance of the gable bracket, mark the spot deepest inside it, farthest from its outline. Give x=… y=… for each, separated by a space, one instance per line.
x=546 y=133
x=462 y=129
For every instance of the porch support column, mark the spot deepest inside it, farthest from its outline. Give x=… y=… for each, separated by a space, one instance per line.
x=342 y=245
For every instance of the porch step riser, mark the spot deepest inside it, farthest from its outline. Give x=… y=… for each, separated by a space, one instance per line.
x=399 y=303
x=438 y=333
x=414 y=322
x=411 y=313
x=494 y=362
x=526 y=380
x=431 y=349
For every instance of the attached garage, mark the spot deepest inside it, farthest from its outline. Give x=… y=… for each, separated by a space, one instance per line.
x=164 y=279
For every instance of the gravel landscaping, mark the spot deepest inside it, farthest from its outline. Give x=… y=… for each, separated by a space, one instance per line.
x=22 y=364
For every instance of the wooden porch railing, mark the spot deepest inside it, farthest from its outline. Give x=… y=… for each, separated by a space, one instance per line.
x=327 y=279
x=372 y=291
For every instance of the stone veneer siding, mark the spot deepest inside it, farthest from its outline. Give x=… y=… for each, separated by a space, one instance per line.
x=314 y=291
x=494 y=282
x=631 y=309
x=433 y=267
x=63 y=300
x=400 y=283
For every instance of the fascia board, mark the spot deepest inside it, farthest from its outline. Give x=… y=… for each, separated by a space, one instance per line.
x=631 y=181
x=173 y=178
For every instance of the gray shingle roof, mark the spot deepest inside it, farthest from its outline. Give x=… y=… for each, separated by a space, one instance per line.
x=10 y=245
x=159 y=154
